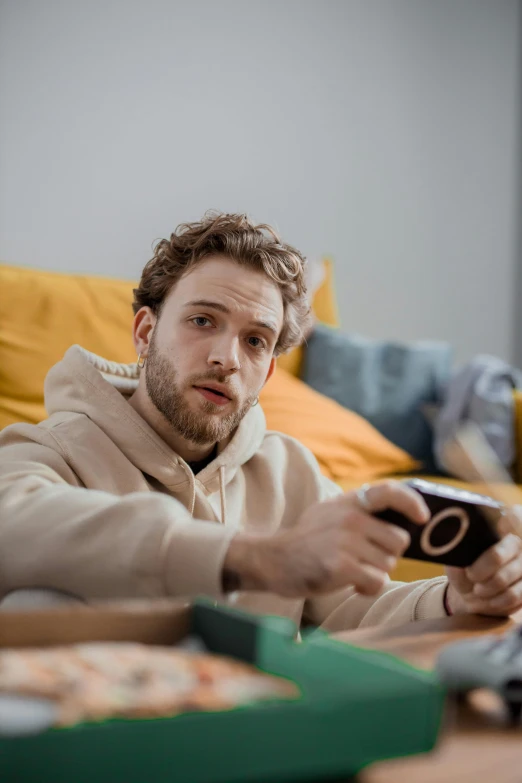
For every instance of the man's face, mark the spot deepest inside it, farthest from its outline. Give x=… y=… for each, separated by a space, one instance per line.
x=211 y=349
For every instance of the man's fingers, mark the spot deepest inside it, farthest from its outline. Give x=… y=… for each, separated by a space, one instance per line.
x=508 y=601
x=501 y=605
x=484 y=607
x=394 y=540
x=373 y=555
x=505 y=577
x=367 y=579
x=495 y=558
x=399 y=497
x=511 y=521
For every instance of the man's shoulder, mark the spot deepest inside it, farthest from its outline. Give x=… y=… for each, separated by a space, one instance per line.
x=49 y=432
x=288 y=455
x=295 y=467
x=279 y=441
x=36 y=447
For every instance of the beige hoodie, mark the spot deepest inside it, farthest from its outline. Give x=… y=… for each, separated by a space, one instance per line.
x=94 y=503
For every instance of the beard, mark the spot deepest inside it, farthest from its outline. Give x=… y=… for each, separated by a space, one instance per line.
x=203 y=427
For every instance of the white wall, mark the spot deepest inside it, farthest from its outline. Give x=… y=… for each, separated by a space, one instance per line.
x=383 y=132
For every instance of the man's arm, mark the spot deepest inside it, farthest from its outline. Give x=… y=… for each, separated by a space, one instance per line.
x=397 y=603
x=250 y=565
x=338 y=556
x=95 y=545
x=333 y=544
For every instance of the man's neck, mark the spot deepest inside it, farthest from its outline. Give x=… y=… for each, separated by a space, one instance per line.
x=201 y=464
x=187 y=450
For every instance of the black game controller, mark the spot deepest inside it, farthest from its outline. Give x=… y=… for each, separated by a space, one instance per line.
x=461 y=527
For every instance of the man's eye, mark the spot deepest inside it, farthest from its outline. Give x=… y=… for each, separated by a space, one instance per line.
x=200 y=320
x=256 y=342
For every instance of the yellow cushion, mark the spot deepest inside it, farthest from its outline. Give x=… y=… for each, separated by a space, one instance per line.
x=324 y=306
x=292 y=361
x=325 y=302
x=345 y=445
x=43 y=313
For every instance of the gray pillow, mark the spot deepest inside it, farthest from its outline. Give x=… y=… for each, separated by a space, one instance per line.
x=385 y=382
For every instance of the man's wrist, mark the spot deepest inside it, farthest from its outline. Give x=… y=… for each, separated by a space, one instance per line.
x=447 y=604
x=454 y=603
x=243 y=566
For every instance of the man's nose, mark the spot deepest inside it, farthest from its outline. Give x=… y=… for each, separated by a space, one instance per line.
x=225 y=354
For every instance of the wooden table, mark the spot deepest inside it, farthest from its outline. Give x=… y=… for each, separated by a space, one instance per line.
x=475 y=744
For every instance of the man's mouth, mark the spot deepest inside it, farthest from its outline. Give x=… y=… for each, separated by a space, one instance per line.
x=213 y=394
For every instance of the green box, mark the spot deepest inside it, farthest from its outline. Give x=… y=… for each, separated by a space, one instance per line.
x=356 y=707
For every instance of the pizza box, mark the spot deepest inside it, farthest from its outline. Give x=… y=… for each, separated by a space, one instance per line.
x=355 y=706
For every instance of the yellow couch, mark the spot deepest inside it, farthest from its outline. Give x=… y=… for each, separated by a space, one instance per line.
x=42 y=313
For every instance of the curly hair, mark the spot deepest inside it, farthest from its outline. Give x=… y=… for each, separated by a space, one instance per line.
x=238 y=238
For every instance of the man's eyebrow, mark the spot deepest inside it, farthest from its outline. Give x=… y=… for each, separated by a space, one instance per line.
x=224 y=309
x=208 y=303
x=265 y=325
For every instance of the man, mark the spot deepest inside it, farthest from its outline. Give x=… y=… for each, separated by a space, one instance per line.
x=160 y=479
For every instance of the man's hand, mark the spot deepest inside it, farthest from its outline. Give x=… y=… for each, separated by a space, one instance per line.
x=334 y=544
x=493 y=584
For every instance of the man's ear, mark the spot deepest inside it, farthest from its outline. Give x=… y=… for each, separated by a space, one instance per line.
x=142 y=328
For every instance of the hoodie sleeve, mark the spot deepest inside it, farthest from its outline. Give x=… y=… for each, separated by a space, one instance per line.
x=397 y=603
x=90 y=543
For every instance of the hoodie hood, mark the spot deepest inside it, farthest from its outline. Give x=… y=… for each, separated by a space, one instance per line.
x=84 y=383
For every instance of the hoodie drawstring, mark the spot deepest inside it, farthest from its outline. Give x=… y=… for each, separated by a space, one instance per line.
x=222 y=495
x=192 y=482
